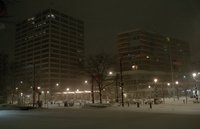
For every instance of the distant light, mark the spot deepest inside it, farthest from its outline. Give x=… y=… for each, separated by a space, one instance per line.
x=110 y=73
x=125 y=95
x=52 y=15
x=57 y=84
x=168 y=39
x=149 y=86
x=184 y=76
x=42 y=92
x=155 y=80
x=48 y=92
x=38 y=88
x=194 y=74
x=28 y=96
x=16 y=88
x=67 y=89
x=77 y=90
x=168 y=84
x=147 y=57
x=21 y=94
x=86 y=82
x=21 y=82
x=176 y=82
x=31 y=87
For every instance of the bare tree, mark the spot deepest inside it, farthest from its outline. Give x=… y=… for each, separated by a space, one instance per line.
x=97 y=67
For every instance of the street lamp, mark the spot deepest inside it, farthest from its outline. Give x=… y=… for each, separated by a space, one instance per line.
x=155 y=91
x=57 y=84
x=155 y=80
x=121 y=82
x=110 y=73
x=134 y=67
x=195 y=77
x=177 y=89
x=121 y=77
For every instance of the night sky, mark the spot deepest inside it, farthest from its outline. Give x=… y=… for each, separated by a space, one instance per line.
x=104 y=19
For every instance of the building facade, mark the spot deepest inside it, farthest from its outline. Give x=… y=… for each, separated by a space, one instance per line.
x=49 y=48
x=146 y=55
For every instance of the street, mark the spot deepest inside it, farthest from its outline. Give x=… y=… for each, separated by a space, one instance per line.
x=78 y=118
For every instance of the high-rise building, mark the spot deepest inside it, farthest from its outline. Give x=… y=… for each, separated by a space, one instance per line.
x=149 y=51
x=49 y=47
x=146 y=55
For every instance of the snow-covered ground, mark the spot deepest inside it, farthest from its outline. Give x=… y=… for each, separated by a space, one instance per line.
x=170 y=105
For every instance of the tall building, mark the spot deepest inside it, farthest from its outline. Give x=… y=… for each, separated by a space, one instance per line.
x=146 y=55
x=3 y=74
x=49 y=47
x=153 y=52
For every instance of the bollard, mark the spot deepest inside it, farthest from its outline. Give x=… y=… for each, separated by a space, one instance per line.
x=150 y=105
x=138 y=104
x=184 y=101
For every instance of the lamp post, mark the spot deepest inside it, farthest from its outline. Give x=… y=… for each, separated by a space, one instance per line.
x=45 y=92
x=195 y=75
x=177 y=89
x=155 y=91
x=171 y=65
x=121 y=83
x=121 y=76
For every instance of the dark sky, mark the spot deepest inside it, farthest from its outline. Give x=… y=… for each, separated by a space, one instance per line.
x=104 y=19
